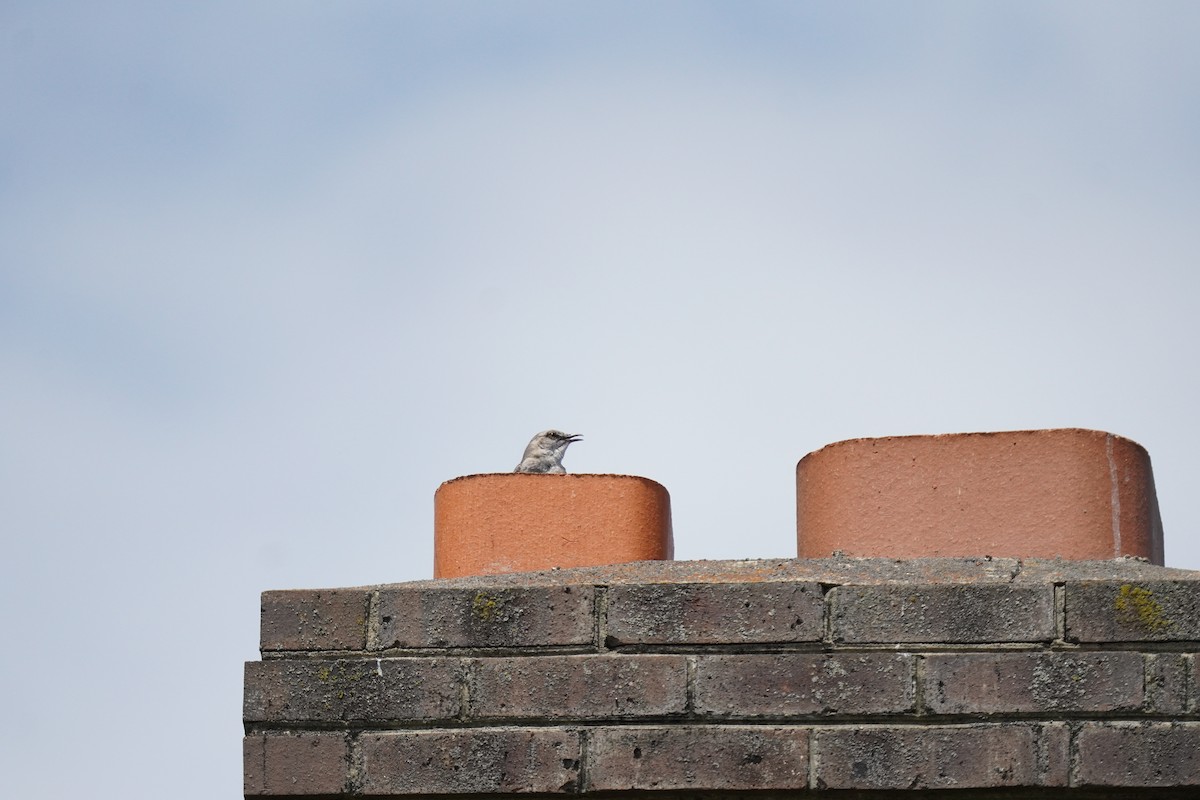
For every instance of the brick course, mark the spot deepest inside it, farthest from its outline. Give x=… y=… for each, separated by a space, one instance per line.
x=1166 y=683
x=474 y=761
x=1139 y=754
x=352 y=690
x=715 y=613
x=303 y=763
x=998 y=683
x=1054 y=753
x=934 y=757
x=579 y=687
x=505 y=616
x=314 y=620
x=698 y=758
x=1193 y=700
x=1133 y=611
x=883 y=679
x=787 y=684
x=942 y=614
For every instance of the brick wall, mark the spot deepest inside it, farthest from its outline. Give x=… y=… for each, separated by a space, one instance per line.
x=975 y=678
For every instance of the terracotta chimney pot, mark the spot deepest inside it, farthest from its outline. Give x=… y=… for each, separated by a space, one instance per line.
x=1069 y=493
x=516 y=522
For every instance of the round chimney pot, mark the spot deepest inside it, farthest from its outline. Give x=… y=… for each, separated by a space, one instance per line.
x=517 y=522
x=1061 y=493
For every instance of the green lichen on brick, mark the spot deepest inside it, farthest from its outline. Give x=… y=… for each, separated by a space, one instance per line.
x=341 y=680
x=339 y=671
x=485 y=608
x=1137 y=605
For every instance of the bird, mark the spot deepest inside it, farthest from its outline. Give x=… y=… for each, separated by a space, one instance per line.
x=544 y=453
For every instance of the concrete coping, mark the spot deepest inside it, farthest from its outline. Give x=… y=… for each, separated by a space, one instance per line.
x=835 y=571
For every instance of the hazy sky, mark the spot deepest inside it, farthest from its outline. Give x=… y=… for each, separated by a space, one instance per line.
x=270 y=272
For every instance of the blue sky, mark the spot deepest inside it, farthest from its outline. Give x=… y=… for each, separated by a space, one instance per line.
x=271 y=272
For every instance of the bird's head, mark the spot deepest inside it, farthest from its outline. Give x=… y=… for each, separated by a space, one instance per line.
x=557 y=440
x=551 y=441
x=559 y=436
x=545 y=450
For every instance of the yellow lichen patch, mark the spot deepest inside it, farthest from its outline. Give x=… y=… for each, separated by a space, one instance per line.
x=1138 y=605
x=338 y=672
x=484 y=608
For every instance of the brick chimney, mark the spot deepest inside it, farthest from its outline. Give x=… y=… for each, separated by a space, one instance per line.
x=862 y=677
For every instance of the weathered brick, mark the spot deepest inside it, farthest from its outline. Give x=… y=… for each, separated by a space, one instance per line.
x=1145 y=611
x=473 y=761
x=497 y=617
x=940 y=613
x=1138 y=754
x=998 y=683
x=934 y=757
x=579 y=687
x=326 y=619
x=307 y=763
x=1193 y=704
x=715 y=613
x=1054 y=753
x=786 y=684
x=1166 y=683
x=717 y=757
x=345 y=690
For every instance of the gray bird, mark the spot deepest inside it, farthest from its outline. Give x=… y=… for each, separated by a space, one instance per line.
x=544 y=452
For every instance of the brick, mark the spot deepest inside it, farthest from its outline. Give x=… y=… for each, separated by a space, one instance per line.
x=347 y=690
x=1193 y=705
x=1054 y=754
x=714 y=757
x=471 y=761
x=1142 y=611
x=301 y=619
x=289 y=764
x=579 y=687
x=944 y=614
x=934 y=757
x=777 y=685
x=1000 y=683
x=715 y=613
x=1166 y=683
x=486 y=617
x=1138 y=754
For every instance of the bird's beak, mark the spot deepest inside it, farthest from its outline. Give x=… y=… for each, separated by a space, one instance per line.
x=574 y=437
